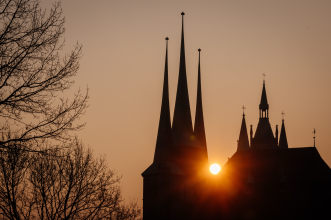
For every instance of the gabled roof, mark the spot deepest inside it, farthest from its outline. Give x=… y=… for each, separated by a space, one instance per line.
x=291 y=164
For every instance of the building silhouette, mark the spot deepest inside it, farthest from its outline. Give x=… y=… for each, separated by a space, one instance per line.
x=264 y=179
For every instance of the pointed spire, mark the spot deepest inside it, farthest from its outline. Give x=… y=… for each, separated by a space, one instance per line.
x=276 y=135
x=243 y=143
x=264 y=102
x=264 y=136
x=283 y=139
x=199 y=125
x=182 y=121
x=164 y=132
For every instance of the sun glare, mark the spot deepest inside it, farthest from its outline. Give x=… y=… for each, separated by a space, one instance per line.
x=215 y=168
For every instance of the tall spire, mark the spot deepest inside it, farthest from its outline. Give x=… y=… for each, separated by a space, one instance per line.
x=264 y=106
x=199 y=125
x=164 y=133
x=283 y=139
x=243 y=143
x=182 y=121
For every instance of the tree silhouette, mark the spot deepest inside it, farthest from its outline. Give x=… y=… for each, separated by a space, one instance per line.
x=72 y=184
x=44 y=172
x=34 y=74
x=66 y=183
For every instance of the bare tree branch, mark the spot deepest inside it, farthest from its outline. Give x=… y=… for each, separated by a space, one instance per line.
x=34 y=75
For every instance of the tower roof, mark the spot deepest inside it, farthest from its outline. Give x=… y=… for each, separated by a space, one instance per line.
x=199 y=125
x=283 y=139
x=182 y=121
x=264 y=101
x=243 y=143
x=264 y=137
x=163 y=140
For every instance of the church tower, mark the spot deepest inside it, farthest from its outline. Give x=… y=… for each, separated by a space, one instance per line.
x=180 y=152
x=264 y=137
x=154 y=191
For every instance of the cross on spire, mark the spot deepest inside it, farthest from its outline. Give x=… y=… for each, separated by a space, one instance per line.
x=283 y=115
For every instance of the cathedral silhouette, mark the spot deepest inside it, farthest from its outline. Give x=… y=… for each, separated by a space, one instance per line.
x=264 y=178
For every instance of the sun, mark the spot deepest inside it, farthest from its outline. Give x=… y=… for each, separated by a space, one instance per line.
x=215 y=168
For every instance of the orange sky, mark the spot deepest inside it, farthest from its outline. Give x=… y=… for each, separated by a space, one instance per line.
x=123 y=61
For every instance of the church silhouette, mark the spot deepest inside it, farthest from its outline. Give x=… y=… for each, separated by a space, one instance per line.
x=264 y=179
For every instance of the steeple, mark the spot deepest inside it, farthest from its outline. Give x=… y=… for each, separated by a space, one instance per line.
x=283 y=139
x=182 y=121
x=163 y=140
x=243 y=143
x=264 y=106
x=264 y=137
x=199 y=125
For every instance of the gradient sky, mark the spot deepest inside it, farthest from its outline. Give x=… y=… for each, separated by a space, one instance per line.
x=123 y=60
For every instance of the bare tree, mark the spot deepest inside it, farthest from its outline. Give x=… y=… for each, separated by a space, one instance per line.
x=72 y=184
x=34 y=75
x=15 y=199
x=65 y=183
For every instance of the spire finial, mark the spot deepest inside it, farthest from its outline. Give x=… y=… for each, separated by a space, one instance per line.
x=283 y=115
x=244 y=108
x=263 y=75
x=199 y=50
x=183 y=13
x=314 y=132
x=167 y=39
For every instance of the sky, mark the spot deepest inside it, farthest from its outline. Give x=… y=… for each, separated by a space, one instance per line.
x=123 y=63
